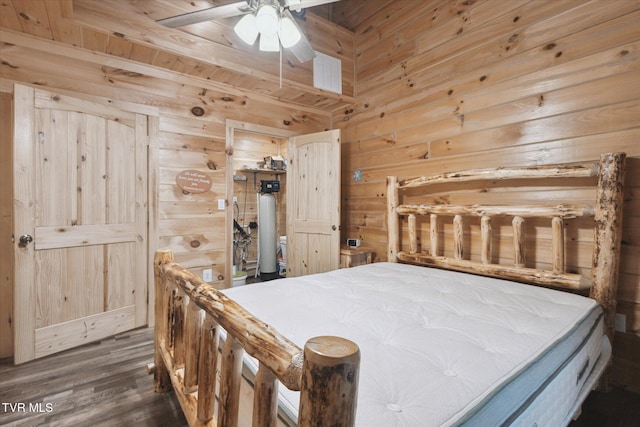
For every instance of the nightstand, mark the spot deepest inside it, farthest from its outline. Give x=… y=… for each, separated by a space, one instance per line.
x=351 y=257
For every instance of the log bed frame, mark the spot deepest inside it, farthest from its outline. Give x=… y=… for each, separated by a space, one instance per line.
x=190 y=312
x=606 y=213
x=189 y=315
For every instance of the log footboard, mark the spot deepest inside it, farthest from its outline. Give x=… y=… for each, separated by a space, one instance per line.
x=189 y=315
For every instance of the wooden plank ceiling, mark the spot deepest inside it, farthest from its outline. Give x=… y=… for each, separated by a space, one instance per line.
x=208 y=50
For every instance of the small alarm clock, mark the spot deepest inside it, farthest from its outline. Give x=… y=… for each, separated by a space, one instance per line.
x=353 y=243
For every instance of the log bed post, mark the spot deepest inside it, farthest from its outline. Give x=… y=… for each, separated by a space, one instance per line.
x=192 y=344
x=178 y=328
x=458 y=237
x=557 y=244
x=413 y=234
x=485 y=233
x=608 y=235
x=265 y=398
x=329 y=382
x=518 y=241
x=161 y=379
x=230 y=377
x=393 y=223
x=209 y=341
x=433 y=234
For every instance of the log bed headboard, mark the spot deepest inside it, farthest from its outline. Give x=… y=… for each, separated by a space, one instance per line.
x=606 y=212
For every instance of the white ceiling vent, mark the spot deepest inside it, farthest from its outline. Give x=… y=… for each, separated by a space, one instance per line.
x=327 y=73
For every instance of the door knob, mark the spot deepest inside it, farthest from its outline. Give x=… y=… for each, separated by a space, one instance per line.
x=334 y=228
x=25 y=239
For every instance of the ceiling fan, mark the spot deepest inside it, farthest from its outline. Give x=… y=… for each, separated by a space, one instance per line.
x=271 y=20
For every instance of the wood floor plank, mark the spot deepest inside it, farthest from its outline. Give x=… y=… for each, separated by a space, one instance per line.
x=99 y=384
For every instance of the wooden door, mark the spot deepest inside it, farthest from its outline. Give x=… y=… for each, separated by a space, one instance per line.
x=313 y=203
x=79 y=222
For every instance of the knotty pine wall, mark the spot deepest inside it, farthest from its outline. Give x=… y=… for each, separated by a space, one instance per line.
x=181 y=138
x=447 y=85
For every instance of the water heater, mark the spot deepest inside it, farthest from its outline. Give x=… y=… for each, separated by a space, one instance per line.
x=267 y=231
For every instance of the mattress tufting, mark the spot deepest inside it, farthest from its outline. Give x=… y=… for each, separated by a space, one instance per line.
x=439 y=347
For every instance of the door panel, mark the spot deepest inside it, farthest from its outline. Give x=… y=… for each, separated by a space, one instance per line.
x=81 y=193
x=313 y=203
x=66 y=284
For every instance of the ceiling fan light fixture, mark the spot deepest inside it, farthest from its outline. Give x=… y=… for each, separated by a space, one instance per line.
x=288 y=32
x=267 y=20
x=269 y=43
x=247 y=29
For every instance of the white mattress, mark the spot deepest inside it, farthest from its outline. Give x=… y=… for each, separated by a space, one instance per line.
x=443 y=348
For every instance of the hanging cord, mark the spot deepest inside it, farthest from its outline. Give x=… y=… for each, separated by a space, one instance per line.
x=280 y=45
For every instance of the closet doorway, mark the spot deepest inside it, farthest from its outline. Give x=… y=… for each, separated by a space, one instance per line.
x=249 y=145
x=307 y=205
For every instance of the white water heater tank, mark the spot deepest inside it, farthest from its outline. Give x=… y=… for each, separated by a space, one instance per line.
x=267 y=239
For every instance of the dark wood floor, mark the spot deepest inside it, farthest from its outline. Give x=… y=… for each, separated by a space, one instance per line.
x=101 y=384
x=617 y=408
x=106 y=384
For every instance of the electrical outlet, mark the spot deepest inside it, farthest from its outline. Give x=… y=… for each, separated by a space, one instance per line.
x=235 y=200
x=207 y=275
x=221 y=204
x=621 y=322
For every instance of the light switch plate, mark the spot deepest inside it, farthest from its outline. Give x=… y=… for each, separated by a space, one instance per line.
x=621 y=322
x=221 y=204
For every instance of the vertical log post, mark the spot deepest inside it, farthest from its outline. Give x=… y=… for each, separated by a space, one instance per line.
x=168 y=302
x=433 y=234
x=557 y=245
x=265 y=398
x=393 y=224
x=458 y=236
x=329 y=382
x=485 y=235
x=178 y=329
x=608 y=235
x=208 y=363
x=161 y=379
x=413 y=234
x=518 y=241
x=230 y=376
x=192 y=345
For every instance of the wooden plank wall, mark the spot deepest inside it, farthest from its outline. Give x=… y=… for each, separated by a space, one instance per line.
x=182 y=136
x=447 y=85
x=191 y=224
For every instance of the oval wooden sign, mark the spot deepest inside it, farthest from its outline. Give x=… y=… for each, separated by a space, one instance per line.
x=193 y=181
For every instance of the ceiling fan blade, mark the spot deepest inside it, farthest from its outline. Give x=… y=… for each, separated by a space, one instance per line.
x=218 y=12
x=302 y=50
x=303 y=4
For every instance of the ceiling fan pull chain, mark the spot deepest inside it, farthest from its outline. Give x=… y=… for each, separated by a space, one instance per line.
x=280 y=66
